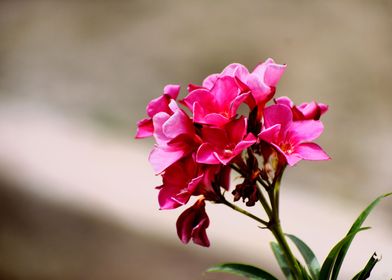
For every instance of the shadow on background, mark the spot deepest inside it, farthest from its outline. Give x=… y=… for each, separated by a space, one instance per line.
x=43 y=240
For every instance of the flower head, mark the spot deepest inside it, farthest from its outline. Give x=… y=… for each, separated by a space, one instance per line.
x=305 y=111
x=293 y=139
x=222 y=144
x=145 y=127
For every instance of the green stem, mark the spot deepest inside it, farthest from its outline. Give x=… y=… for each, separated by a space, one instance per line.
x=242 y=211
x=276 y=228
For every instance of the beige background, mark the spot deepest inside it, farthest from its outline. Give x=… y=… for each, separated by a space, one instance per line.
x=77 y=196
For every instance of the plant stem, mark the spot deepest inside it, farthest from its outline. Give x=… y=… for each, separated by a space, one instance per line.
x=242 y=211
x=276 y=228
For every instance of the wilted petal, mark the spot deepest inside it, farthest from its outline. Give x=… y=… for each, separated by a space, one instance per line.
x=192 y=224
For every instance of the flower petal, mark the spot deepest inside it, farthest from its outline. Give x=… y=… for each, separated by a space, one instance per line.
x=205 y=154
x=145 y=128
x=277 y=114
x=161 y=158
x=305 y=131
x=311 y=151
x=172 y=91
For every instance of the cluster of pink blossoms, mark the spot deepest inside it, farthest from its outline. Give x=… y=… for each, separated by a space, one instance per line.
x=194 y=153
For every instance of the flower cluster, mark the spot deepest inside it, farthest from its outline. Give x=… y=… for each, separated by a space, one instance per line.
x=202 y=137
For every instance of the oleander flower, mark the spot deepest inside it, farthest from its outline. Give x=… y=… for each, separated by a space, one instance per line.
x=192 y=224
x=293 y=139
x=261 y=83
x=175 y=138
x=217 y=105
x=305 y=111
x=222 y=144
x=180 y=181
x=145 y=127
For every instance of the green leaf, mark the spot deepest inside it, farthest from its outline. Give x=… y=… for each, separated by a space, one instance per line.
x=357 y=224
x=329 y=262
x=309 y=257
x=365 y=273
x=281 y=260
x=248 y=271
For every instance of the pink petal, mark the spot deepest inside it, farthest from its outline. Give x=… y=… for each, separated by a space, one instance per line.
x=236 y=130
x=305 y=131
x=292 y=159
x=178 y=123
x=284 y=100
x=311 y=151
x=202 y=96
x=224 y=91
x=165 y=199
x=270 y=134
x=277 y=114
x=145 y=129
x=159 y=104
x=161 y=158
x=205 y=154
x=235 y=104
x=213 y=119
x=273 y=73
x=215 y=136
x=210 y=81
x=158 y=122
x=172 y=91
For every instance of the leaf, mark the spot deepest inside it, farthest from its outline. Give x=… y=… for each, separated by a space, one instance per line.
x=248 y=271
x=281 y=260
x=365 y=273
x=329 y=262
x=309 y=257
x=357 y=224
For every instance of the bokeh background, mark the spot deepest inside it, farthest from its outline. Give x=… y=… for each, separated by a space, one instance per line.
x=77 y=198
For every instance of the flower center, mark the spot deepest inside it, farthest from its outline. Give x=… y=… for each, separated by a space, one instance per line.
x=287 y=148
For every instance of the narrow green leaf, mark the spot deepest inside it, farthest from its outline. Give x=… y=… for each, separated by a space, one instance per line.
x=329 y=262
x=281 y=260
x=309 y=257
x=248 y=271
x=357 y=224
x=365 y=273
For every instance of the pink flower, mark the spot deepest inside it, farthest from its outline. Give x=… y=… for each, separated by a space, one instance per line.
x=305 y=111
x=175 y=136
x=192 y=224
x=293 y=139
x=180 y=181
x=217 y=105
x=145 y=127
x=261 y=82
x=222 y=144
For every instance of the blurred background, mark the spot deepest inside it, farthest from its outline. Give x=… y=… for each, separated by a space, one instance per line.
x=77 y=198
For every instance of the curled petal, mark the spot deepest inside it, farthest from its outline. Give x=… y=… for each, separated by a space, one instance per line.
x=145 y=129
x=192 y=224
x=172 y=91
x=205 y=154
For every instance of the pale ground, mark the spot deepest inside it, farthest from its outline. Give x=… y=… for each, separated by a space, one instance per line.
x=80 y=166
